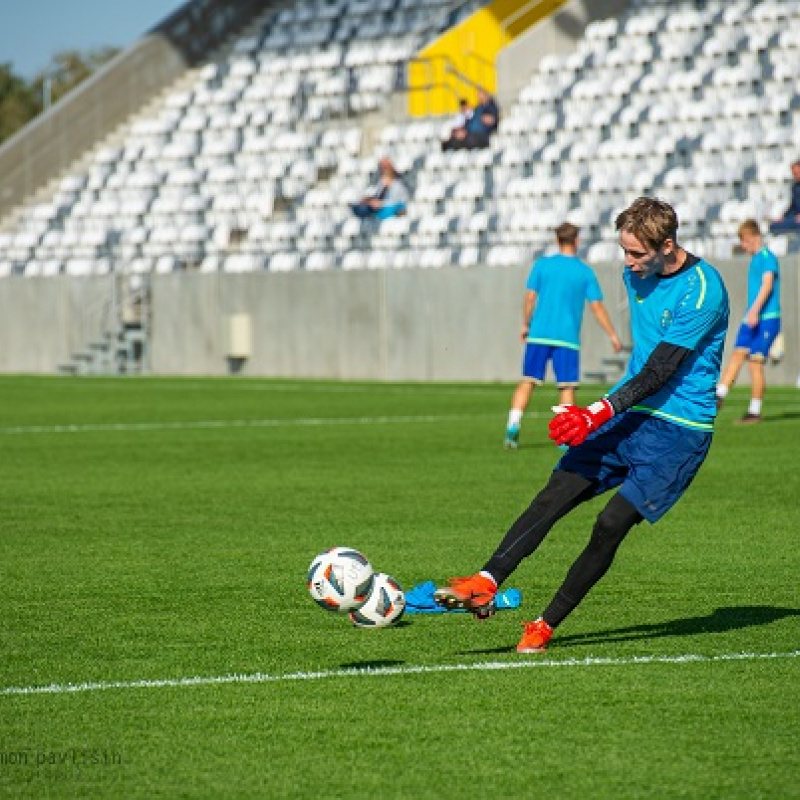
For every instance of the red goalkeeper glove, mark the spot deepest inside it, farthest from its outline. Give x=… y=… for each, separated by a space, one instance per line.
x=572 y=424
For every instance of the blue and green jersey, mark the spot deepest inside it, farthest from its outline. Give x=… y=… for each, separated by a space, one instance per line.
x=563 y=284
x=688 y=308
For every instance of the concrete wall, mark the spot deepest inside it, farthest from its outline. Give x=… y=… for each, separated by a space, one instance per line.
x=558 y=34
x=418 y=325
x=43 y=321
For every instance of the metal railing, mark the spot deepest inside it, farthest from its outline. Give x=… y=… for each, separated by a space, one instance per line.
x=440 y=67
x=515 y=23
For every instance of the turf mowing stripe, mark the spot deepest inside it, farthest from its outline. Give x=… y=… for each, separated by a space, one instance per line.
x=242 y=423
x=260 y=677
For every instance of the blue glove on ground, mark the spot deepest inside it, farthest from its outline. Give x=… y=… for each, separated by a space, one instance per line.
x=419 y=600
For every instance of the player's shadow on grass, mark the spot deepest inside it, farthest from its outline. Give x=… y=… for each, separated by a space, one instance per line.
x=720 y=621
x=782 y=417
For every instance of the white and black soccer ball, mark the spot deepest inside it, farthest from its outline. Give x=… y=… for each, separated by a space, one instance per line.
x=384 y=606
x=340 y=579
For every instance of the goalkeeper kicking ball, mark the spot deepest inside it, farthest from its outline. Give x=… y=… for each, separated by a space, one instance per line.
x=384 y=606
x=340 y=579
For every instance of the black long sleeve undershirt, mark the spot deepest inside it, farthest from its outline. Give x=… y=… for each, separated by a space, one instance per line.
x=658 y=369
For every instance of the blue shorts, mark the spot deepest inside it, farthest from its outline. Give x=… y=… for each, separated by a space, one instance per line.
x=758 y=340
x=566 y=363
x=652 y=461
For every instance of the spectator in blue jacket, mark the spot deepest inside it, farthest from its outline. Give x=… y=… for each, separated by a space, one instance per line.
x=790 y=221
x=387 y=198
x=479 y=127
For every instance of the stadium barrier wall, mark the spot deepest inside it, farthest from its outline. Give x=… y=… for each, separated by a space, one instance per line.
x=44 y=321
x=403 y=325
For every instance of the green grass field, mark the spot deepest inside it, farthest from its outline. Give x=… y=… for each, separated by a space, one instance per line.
x=159 y=530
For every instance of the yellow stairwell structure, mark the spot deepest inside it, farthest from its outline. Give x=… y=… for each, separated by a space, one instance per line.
x=463 y=59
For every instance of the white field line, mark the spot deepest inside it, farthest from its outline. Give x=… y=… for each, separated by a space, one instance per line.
x=254 y=385
x=295 y=422
x=361 y=672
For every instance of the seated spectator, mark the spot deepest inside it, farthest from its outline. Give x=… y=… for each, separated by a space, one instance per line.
x=460 y=120
x=479 y=127
x=387 y=198
x=790 y=221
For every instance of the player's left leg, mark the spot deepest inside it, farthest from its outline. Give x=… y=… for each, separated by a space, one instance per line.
x=764 y=334
x=519 y=402
x=731 y=373
x=662 y=460
x=567 y=369
x=758 y=382
x=566 y=395
x=611 y=527
x=742 y=348
x=534 y=364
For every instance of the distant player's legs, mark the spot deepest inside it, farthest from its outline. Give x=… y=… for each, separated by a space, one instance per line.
x=566 y=396
x=534 y=364
x=567 y=368
x=755 y=367
x=731 y=373
x=764 y=335
x=757 y=379
x=522 y=396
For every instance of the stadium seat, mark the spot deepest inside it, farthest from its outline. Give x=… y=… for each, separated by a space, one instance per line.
x=689 y=101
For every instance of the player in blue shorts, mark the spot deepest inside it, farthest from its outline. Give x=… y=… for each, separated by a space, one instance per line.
x=761 y=323
x=558 y=286
x=646 y=438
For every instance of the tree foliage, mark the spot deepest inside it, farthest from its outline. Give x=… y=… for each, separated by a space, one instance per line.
x=21 y=100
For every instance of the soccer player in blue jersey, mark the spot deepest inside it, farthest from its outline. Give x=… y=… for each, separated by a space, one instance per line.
x=646 y=438
x=761 y=323
x=558 y=286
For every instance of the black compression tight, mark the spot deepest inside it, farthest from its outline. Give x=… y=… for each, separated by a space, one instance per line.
x=564 y=491
x=611 y=527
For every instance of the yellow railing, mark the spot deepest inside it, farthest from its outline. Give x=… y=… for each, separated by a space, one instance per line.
x=464 y=57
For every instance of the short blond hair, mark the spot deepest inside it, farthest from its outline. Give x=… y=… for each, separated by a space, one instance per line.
x=650 y=220
x=749 y=226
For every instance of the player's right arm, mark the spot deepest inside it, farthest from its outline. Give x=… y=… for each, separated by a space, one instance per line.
x=662 y=364
x=572 y=424
x=528 y=306
x=754 y=312
x=601 y=314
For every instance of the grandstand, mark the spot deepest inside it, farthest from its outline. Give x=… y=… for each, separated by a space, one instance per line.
x=245 y=163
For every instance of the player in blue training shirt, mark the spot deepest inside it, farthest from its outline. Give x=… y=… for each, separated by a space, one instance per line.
x=558 y=286
x=646 y=438
x=761 y=323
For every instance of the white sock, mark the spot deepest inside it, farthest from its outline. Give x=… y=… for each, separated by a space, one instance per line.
x=514 y=418
x=755 y=406
x=488 y=575
x=722 y=391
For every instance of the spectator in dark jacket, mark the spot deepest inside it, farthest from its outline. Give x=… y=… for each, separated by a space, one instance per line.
x=479 y=128
x=790 y=221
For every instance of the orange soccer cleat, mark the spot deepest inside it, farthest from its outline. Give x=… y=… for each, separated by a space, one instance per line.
x=475 y=593
x=535 y=638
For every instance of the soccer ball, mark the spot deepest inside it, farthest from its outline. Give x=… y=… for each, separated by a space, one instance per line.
x=384 y=606
x=340 y=579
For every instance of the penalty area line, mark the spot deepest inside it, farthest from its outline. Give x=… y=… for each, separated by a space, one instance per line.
x=360 y=672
